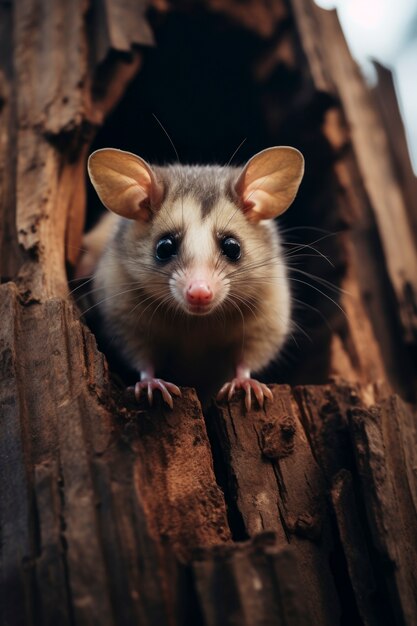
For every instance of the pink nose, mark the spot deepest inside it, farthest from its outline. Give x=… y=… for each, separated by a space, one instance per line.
x=199 y=293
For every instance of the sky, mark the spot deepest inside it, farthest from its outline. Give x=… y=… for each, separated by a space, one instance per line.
x=385 y=30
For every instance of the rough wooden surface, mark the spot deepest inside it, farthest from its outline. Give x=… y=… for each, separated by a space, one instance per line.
x=375 y=341
x=10 y=255
x=113 y=497
x=113 y=514
x=379 y=501
x=384 y=444
x=103 y=492
x=266 y=585
x=59 y=98
x=274 y=483
x=386 y=98
x=371 y=147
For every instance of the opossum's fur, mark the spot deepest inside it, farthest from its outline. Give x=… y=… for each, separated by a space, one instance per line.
x=140 y=298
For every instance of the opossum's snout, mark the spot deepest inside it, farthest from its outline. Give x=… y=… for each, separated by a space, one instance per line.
x=199 y=291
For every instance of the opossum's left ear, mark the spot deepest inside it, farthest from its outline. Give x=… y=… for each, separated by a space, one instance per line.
x=269 y=182
x=125 y=183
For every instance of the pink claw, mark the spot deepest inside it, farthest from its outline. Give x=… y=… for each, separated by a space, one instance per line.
x=149 y=385
x=260 y=390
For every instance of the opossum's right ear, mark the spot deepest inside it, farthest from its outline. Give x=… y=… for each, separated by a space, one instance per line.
x=125 y=183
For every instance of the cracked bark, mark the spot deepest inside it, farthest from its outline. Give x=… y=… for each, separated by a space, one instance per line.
x=111 y=513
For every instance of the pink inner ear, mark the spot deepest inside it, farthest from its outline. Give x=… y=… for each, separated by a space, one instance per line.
x=259 y=204
x=143 y=193
x=249 y=188
x=149 y=188
x=135 y=197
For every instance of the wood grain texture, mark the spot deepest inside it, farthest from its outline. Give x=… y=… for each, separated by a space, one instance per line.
x=386 y=98
x=355 y=548
x=374 y=340
x=118 y=495
x=55 y=78
x=276 y=484
x=10 y=255
x=383 y=443
x=373 y=426
x=265 y=591
x=371 y=147
x=107 y=491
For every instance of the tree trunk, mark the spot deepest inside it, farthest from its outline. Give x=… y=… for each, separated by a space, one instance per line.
x=112 y=513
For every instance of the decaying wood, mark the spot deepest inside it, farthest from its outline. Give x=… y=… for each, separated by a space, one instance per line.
x=116 y=492
x=266 y=587
x=107 y=491
x=373 y=347
x=390 y=111
x=275 y=484
x=372 y=152
x=112 y=513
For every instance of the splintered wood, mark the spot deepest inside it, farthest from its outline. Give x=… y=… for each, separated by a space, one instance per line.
x=276 y=484
x=109 y=493
x=130 y=517
x=370 y=144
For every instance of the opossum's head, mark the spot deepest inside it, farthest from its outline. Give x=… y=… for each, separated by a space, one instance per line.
x=199 y=238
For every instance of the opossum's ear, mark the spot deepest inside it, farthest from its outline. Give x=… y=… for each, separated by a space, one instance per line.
x=269 y=182
x=125 y=183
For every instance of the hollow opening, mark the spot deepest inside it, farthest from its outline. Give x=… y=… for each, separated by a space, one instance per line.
x=223 y=93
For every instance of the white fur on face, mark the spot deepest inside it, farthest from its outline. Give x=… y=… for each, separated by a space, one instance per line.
x=202 y=259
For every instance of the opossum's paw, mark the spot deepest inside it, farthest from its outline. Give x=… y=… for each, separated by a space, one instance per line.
x=260 y=390
x=149 y=385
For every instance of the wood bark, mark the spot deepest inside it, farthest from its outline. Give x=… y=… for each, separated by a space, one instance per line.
x=112 y=513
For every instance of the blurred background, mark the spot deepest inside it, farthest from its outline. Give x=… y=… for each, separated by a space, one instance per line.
x=385 y=30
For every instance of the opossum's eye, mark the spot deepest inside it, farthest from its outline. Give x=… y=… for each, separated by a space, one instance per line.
x=230 y=248
x=166 y=248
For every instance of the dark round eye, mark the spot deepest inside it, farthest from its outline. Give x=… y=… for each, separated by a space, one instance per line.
x=166 y=248
x=230 y=248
